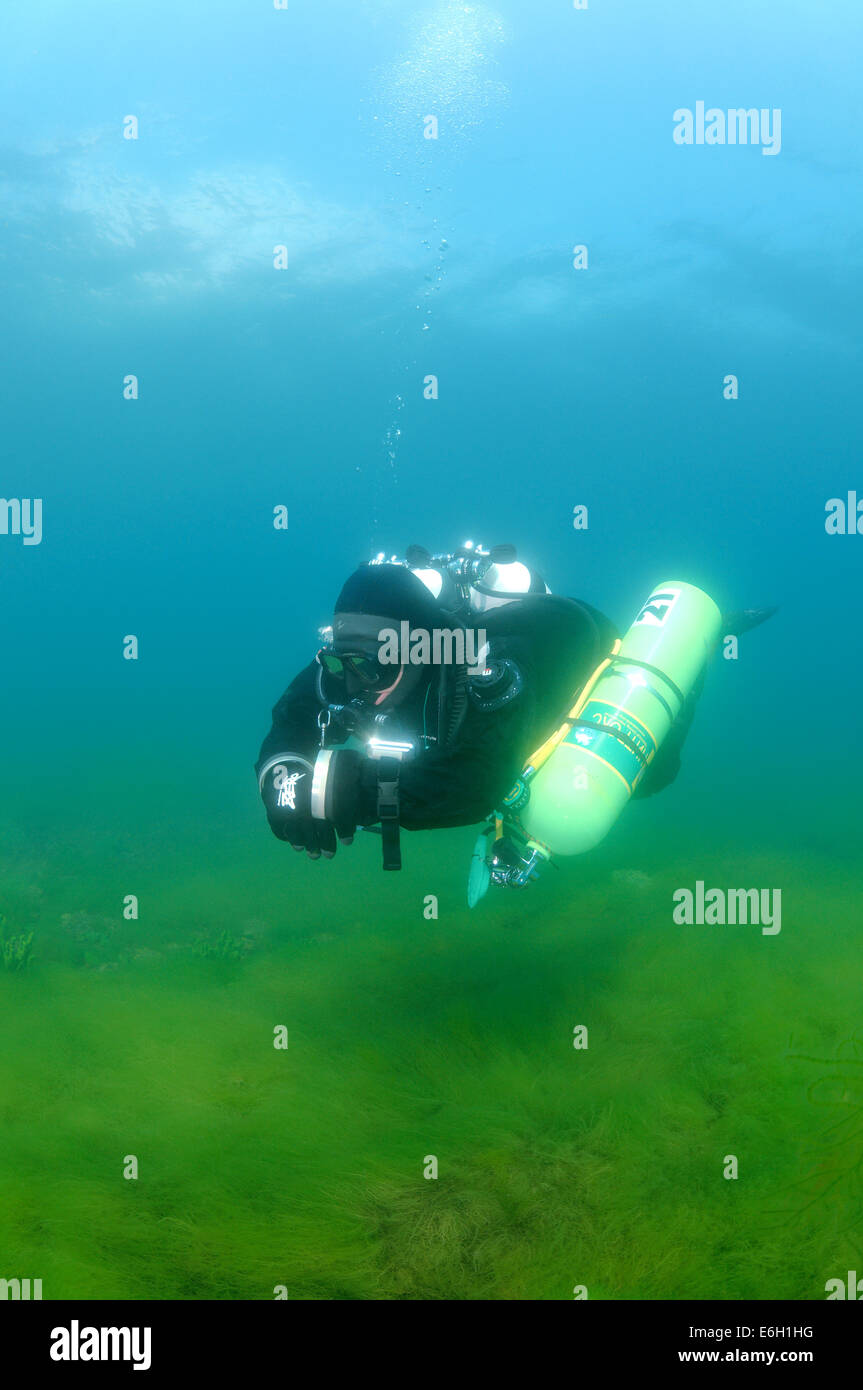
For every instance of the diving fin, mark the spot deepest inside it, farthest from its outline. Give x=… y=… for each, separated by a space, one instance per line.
x=735 y=624
x=479 y=877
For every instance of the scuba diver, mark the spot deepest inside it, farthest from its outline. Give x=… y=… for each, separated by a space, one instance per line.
x=455 y=689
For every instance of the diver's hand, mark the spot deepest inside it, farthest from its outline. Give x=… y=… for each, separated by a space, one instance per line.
x=286 y=790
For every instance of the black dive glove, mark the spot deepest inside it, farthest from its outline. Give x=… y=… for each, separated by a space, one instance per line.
x=308 y=804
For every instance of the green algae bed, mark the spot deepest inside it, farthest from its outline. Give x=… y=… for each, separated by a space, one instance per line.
x=412 y=1037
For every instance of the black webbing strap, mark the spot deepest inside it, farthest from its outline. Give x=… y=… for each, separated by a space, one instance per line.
x=655 y=671
x=388 y=811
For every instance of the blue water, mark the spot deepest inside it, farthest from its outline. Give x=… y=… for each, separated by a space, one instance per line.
x=407 y=256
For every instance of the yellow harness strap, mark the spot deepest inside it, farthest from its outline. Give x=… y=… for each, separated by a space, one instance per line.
x=544 y=752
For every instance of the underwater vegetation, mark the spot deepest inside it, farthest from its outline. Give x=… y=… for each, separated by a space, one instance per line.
x=226 y=946
x=411 y=1038
x=833 y=1152
x=16 y=948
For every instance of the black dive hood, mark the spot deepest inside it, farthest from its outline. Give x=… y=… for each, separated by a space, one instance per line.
x=379 y=597
x=392 y=590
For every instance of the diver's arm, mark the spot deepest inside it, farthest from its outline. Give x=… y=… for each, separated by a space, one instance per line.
x=437 y=790
x=295 y=720
x=285 y=770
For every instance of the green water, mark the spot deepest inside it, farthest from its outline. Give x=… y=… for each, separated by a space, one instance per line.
x=411 y=1037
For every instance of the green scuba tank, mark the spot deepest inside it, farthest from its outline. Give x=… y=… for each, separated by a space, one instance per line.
x=579 y=791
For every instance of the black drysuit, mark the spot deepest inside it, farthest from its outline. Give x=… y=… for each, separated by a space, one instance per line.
x=556 y=643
